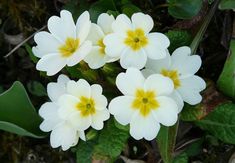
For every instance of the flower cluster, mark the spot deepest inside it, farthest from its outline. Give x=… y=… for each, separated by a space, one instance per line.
x=154 y=86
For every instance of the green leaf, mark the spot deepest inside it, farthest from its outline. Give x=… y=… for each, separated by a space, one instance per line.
x=197 y=39
x=130 y=9
x=166 y=142
x=182 y=158
x=192 y=112
x=101 y=6
x=36 y=88
x=111 y=142
x=30 y=52
x=227 y=4
x=184 y=9
x=17 y=114
x=226 y=81
x=220 y=123
x=85 y=151
x=178 y=38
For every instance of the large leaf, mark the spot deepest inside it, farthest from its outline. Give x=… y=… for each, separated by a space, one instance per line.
x=227 y=4
x=184 y=9
x=226 y=82
x=17 y=114
x=111 y=142
x=166 y=142
x=85 y=151
x=221 y=123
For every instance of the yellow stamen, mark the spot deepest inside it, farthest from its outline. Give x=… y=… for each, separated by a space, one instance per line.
x=136 y=39
x=70 y=46
x=173 y=74
x=145 y=101
x=100 y=43
x=86 y=106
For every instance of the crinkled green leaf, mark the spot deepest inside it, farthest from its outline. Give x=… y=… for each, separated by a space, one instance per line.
x=226 y=81
x=130 y=9
x=36 y=88
x=182 y=158
x=184 y=9
x=17 y=114
x=111 y=142
x=227 y=4
x=101 y=6
x=166 y=142
x=85 y=151
x=178 y=38
x=192 y=113
x=220 y=123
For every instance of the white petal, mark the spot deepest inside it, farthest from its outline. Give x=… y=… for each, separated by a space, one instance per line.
x=43 y=39
x=121 y=108
x=79 y=88
x=128 y=82
x=62 y=27
x=105 y=22
x=184 y=63
x=95 y=34
x=167 y=113
x=142 y=21
x=131 y=58
x=67 y=105
x=147 y=72
x=158 y=65
x=121 y=24
x=63 y=79
x=83 y=26
x=160 y=84
x=80 y=122
x=48 y=111
x=80 y=54
x=98 y=119
x=157 y=45
x=55 y=90
x=95 y=59
x=82 y=135
x=144 y=127
x=64 y=135
x=190 y=89
x=114 y=44
x=178 y=99
x=51 y=63
x=100 y=100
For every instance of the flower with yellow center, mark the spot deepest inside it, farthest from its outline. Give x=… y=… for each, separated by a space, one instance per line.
x=180 y=68
x=84 y=105
x=63 y=133
x=66 y=43
x=145 y=103
x=132 y=42
x=98 y=57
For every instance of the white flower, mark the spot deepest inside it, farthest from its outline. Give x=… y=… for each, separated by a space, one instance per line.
x=63 y=133
x=180 y=67
x=65 y=44
x=132 y=42
x=97 y=57
x=84 y=105
x=144 y=103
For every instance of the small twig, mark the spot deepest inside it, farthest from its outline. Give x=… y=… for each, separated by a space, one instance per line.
x=20 y=44
x=186 y=143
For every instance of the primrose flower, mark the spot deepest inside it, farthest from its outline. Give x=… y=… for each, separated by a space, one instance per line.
x=97 y=57
x=63 y=133
x=144 y=104
x=132 y=42
x=180 y=68
x=84 y=105
x=65 y=44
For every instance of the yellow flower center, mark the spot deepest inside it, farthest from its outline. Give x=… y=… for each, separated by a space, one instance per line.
x=145 y=101
x=173 y=74
x=136 y=39
x=70 y=46
x=100 y=43
x=86 y=106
